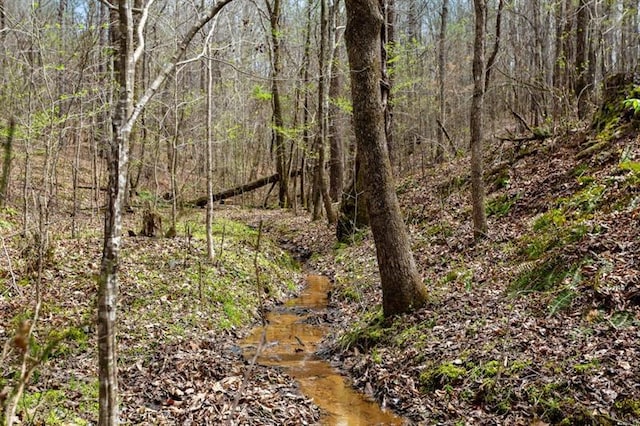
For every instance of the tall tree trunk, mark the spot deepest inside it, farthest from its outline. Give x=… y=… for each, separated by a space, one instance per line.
x=322 y=118
x=402 y=287
x=582 y=87
x=442 y=43
x=414 y=34
x=124 y=117
x=567 y=44
x=306 y=59
x=477 y=105
x=209 y=165
x=336 y=141
x=386 y=81
x=278 y=142
x=6 y=163
x=559 y=63
x=121 y=33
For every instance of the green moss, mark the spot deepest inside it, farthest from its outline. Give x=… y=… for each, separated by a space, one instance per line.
x=48 y=408
x=436 y=377
x=366 y=333
x=376 y=356
x=628 y=406
x=460 y=275
x=443 y=229
x=550 y=221
x=584 y=368
x=549 y=402
x=415 y=335
x=586 y=200
x=518 y=366
x=491 y=368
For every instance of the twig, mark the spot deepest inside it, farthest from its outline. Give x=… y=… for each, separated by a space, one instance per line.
x=258 y=282
x=522 y=121
x=247 y=375
x=14 y=285
x=224 y=231
x=444 y=130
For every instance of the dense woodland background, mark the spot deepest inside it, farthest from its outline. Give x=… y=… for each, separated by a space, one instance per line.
x=258 y=111
x=58 y=86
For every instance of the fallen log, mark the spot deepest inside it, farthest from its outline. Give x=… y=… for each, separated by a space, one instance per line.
x=238 y=190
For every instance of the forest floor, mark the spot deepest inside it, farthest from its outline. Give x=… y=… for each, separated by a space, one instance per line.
x=536 y=324
x=180 y=321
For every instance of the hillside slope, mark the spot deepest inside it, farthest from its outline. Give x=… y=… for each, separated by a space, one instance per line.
x=538 y=322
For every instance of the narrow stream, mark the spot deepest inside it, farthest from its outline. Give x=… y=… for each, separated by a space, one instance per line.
x=291 y=343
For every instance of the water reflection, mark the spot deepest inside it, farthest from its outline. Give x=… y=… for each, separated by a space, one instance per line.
x=291 y=343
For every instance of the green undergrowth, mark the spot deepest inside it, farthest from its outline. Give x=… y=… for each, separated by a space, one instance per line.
x=489 y=383
x=169 y=293
x=193 y=292
x=547 y=253
x=356 y=274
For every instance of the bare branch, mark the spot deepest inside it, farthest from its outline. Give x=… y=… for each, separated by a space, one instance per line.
x=109 y=5
x=173 y=63
x=204 y=48
x=141 y=25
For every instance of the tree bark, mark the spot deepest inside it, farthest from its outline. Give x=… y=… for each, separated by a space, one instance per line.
x=353 y=207
x=121 y=35
x=279 y=147
x=477 y=106
x=442 y=42
x=386 y=79
x=336 y=142
x=6 y=163
x=209 y=162
x=582 y=86
x=402 y=287
x=322 y=116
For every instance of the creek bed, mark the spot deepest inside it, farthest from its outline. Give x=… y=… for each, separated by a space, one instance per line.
x=291 y=343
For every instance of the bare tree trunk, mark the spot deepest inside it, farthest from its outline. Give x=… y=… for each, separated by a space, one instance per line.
x=402 y=288
x=442 y=45
x=121 y=34
x=306 y=59
x=559 y=63
x=477 y=105
x=323 y=101
x=6 y=163
x=387 y=43
x=336 y=141
x=582 y=87
x=275 y=9
x=124 y=117
x=209 y=165
x=567 y=44
x=74 y=174
x=173 y=155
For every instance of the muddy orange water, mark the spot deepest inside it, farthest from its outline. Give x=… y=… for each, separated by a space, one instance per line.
x=291 y=343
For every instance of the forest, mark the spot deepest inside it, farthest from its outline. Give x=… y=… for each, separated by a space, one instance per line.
x=271 y=212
